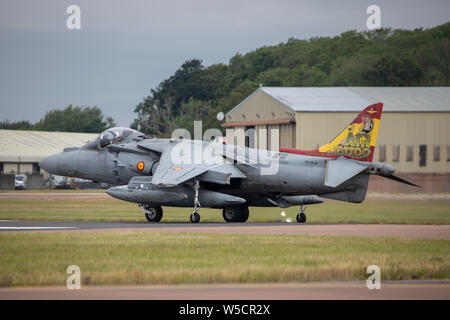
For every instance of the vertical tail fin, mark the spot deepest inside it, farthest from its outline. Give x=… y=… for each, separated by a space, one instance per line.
x=356 y=141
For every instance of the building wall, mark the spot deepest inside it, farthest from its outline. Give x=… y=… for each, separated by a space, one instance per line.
x=9 y=167
x=396 y=129
x=428 y=182
x=263 y=136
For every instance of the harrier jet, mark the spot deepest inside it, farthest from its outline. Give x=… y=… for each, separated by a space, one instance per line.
x=155 y=172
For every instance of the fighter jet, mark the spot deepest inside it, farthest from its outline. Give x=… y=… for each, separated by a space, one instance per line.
x=154 y=172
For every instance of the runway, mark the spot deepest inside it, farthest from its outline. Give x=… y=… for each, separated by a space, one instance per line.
x=363 y=230
x=54 y=195
x=429 y=290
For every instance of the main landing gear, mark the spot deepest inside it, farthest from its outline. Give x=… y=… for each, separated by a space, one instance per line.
x=152 y=213
x=235 y=213
x=301 y=216
x=195 y=217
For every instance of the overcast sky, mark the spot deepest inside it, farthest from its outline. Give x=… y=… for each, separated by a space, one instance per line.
x=125 y=48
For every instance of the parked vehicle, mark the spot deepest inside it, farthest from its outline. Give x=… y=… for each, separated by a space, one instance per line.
x=20 y=182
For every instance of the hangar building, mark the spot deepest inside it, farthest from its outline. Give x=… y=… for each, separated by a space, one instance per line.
x=414 y=134
x=22 y=150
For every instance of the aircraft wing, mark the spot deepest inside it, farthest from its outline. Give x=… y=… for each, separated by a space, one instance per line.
x=170 y=174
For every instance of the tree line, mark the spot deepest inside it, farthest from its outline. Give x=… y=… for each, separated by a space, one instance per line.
x=382 y=57
x=70 y=119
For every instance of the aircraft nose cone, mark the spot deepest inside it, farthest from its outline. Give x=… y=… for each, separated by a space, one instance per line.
x=50 y=164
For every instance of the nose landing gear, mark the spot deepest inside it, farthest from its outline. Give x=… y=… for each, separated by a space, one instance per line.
x=301 y=216
x=152 y=213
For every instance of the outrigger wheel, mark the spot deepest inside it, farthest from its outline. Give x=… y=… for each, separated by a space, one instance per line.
x=195 y=217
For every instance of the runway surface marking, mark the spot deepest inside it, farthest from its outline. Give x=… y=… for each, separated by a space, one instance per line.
x=266 y=291
x=37 y=228
x=362 y=230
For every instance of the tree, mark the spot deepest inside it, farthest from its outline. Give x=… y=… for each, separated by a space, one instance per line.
x=75 y=119
x=16 y=125
x=394 y=71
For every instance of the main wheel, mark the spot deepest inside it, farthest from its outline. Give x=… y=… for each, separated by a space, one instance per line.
x=245 y=214
x=195 y=217
x=153 y=214
x=301 y=217
x=232 y=214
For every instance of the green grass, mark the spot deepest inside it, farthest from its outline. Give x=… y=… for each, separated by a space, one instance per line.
x=417 y=212
x=29 y=259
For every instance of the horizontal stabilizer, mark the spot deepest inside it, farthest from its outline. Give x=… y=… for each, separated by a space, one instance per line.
x=340 y=170
x=395 y=178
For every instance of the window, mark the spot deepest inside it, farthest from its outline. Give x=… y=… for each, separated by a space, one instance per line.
x=382 y=154
x=423 y=155
x=409 y=153
x=448 y=153
x=395 y=153
x=437 y=153
x=1 y=167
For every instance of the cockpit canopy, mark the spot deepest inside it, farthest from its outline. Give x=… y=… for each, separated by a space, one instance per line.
x=118 y=135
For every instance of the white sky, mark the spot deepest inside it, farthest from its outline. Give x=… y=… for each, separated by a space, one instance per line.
x=125 y=48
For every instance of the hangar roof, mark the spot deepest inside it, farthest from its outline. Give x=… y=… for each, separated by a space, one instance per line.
x=33 y=146
x=351 y=99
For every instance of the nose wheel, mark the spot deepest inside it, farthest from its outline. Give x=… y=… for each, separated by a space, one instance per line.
x=152 y=213
x=301 y=216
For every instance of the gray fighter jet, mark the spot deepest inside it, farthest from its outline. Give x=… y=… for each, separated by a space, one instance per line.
x=156 y=172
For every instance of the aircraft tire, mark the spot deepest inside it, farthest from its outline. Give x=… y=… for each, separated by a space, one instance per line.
x=233 y=213
x=301 y=217
x=195 y=217
x=245 y=214
x=154 y=214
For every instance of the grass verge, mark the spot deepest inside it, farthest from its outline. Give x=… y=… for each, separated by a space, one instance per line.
x=397 y=212
x=31 y=259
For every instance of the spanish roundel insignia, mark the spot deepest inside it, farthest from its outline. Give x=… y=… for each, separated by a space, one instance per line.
x=141 y=165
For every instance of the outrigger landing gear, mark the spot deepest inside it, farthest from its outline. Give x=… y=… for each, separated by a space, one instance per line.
x=301 y=216
x=195 y=217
